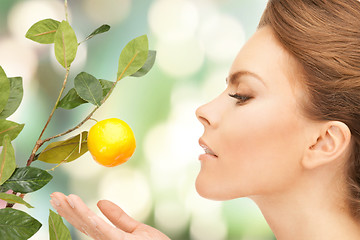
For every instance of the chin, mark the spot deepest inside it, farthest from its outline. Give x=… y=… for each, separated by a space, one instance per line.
x=210 y=191
x=215 y=189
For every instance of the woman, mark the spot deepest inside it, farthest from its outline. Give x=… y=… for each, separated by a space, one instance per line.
x=285 y=132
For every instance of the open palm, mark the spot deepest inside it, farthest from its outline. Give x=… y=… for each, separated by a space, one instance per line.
x=75 y=211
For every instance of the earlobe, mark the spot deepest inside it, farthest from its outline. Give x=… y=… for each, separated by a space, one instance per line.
x=330 y=145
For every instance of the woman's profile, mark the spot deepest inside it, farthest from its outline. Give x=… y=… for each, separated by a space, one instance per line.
x=284 y=133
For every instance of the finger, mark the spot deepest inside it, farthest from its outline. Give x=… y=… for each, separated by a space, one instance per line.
x=63 y=206
x=74 y=210
x=107 y=231
x=117 y=216
x=89 y=221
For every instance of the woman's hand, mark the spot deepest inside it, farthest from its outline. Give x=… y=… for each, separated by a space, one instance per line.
x=74 y=210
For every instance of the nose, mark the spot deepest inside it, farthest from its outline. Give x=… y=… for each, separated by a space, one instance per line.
x=208 y=113
x=201 y=116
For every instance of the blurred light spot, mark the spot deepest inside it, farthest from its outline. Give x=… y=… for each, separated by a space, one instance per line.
x=173 y=20
x=206 y=220
x=172 y=147
x=129 y=189
x=222 y=37
x=184 y=102
x=18 y=59
x=171 y=217
x=250 y=222
x=76 y=168
x=24 y=14
x=166 y=164
x=214 y=84
x=201 y=207
x=208 y=228
x=180 y=59
x=107 y=11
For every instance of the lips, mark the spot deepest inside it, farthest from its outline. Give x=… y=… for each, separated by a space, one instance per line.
x=206 y=148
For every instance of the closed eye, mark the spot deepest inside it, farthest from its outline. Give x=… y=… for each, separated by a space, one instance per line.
x=241 y=99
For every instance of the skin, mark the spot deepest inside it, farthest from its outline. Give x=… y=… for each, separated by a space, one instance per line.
x=260 y=145
x=74 y=210
x=235 y=131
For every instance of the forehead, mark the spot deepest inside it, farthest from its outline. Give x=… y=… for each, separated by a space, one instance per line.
x=263 y=55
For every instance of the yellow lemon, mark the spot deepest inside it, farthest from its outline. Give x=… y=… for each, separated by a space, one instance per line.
x=111 y=142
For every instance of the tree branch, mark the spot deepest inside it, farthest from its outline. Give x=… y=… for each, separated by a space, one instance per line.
x=40 y=142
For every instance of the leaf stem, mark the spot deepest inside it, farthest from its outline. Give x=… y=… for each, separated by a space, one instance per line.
x=40 y=142
x=66 y=11
x=57 y=102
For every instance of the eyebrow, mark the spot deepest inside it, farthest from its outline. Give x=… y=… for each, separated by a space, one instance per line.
x=234 y=78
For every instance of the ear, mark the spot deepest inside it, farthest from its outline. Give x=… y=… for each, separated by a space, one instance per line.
x=328 y=145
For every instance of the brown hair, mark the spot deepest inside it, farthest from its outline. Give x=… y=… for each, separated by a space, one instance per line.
x=324 y=37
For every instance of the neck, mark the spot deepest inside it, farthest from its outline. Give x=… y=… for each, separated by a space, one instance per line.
x=310 y=210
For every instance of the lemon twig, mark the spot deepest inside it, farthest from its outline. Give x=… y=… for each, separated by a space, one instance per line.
x=74 y=128
x=40 y=142
x=66 y=11
x=97 y=107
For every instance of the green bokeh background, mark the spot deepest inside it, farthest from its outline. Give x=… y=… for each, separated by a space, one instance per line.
x=157 y=185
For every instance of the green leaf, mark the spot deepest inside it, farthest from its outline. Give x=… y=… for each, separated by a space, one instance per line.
x=147 y=66
x=71 y=100
x=15 y=97
x=133 y=56
x=43 y=31
x=4 y=89
x=65 y=44
x=7 y=160
x=106 y=86
x=26 y=180
x=9 y=128
x=11 y=198
x=65 y=151
x=88 y=88
x=102 y=29
x=57 y=228
x=16 y=224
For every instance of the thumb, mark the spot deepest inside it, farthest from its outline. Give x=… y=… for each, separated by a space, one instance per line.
x=117 y=216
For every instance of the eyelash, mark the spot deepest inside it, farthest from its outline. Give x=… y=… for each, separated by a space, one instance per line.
x=241 y=99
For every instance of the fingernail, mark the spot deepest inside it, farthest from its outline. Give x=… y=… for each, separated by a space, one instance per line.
x=92 y=220
x=71 y=203
x=55 y=201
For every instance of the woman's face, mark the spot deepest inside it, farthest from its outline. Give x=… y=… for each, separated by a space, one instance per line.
x=254 y=132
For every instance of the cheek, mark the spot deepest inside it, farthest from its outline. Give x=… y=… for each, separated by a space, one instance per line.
x=261 y=153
